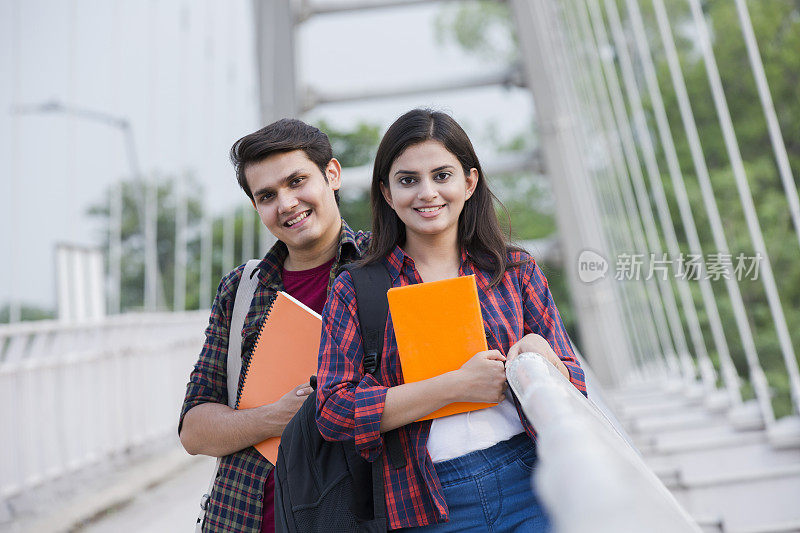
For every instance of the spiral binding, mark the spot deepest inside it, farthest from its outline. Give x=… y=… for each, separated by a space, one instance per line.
x=246 y=362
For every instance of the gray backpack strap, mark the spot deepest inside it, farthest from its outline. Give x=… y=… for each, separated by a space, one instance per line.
x=241 y=305
x=244 y=295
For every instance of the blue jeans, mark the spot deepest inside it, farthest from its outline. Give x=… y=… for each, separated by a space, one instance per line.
x=490 y=491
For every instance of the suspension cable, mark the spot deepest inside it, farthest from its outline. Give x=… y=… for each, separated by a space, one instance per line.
x=760 y=386
x=746 y=199
x=650 y=240
x=729 y=373
x=662 y=209
x=647 y=355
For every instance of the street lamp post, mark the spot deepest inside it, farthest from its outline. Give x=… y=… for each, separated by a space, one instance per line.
x=115 y=209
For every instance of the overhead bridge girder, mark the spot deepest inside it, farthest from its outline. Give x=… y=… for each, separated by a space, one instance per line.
x=309 y=8
x=511 y=77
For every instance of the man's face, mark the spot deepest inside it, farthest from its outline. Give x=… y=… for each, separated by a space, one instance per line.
x=294 y=200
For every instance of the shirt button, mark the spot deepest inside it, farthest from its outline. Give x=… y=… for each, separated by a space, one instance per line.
x=259 y=497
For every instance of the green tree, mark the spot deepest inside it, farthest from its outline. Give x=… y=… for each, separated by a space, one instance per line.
x=26 y=312
x=482 y=28
x=354 y=148
x=777 y=28
x=132 y=240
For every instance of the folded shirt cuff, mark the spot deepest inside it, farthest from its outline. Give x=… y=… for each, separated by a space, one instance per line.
x=370 y=399
x=577 y=377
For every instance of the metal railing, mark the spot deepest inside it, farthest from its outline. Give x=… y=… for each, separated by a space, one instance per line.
x=72 y=395
x=589 y=477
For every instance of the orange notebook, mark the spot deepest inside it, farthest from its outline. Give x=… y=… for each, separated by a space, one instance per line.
x=283 y=357
x=439 y=327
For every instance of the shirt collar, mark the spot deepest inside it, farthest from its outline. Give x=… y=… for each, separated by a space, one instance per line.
x=348 y=249
x=395 y=261
x=398 y=259
x=271 y=266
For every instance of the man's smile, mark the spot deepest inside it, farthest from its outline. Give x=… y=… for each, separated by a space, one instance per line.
x=296 y=220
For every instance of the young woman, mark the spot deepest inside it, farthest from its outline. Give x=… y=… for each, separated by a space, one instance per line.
x=432 y=219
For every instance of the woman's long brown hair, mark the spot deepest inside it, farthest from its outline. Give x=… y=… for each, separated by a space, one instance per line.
x=479 y=232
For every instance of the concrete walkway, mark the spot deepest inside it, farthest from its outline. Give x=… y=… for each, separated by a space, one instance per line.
x=156 y=493
x=169 y=506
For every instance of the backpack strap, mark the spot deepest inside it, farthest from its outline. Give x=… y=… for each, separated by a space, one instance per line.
x=241 y=305
x=371 y=283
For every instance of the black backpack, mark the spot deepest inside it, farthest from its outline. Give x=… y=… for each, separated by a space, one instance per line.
x=323 y=486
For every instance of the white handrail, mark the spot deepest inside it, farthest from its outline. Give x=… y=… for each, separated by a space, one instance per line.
x=74 y=394
x=632 y=235
x=588 y=476
x=607 y=200
x=746 y=199
x=774 y=128
x=781 y=158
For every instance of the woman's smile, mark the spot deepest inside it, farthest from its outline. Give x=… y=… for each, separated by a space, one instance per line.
x=429 y=212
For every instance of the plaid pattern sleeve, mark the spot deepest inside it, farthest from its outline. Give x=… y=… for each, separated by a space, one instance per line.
x=542 y=317
x=349 y=402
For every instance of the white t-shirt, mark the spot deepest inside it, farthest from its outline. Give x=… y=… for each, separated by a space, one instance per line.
x=457 y=435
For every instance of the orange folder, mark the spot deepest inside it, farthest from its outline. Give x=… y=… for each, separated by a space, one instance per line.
x=439 y=327
x=284 y=356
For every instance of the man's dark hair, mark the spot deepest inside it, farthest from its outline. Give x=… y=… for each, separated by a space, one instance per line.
x=285 y=135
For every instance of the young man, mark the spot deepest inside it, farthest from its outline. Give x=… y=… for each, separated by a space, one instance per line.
x=288 y=171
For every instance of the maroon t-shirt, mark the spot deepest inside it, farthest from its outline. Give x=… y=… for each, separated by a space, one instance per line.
x=310 y=287
x=268 y=512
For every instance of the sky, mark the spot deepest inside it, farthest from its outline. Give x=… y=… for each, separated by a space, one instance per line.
x=183 y=73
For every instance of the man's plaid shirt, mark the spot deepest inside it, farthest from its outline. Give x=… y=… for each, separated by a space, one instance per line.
x=235 y=503
x=350 y=403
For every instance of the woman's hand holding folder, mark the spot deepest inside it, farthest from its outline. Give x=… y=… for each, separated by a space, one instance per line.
x=482 y=378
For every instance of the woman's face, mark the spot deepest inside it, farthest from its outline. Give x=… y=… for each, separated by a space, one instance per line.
x=428 y=188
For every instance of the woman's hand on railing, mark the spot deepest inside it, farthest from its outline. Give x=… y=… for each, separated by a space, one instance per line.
x=537 y=344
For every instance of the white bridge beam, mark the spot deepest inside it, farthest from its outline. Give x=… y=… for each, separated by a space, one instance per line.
x=309 y=8
x=508 y=78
